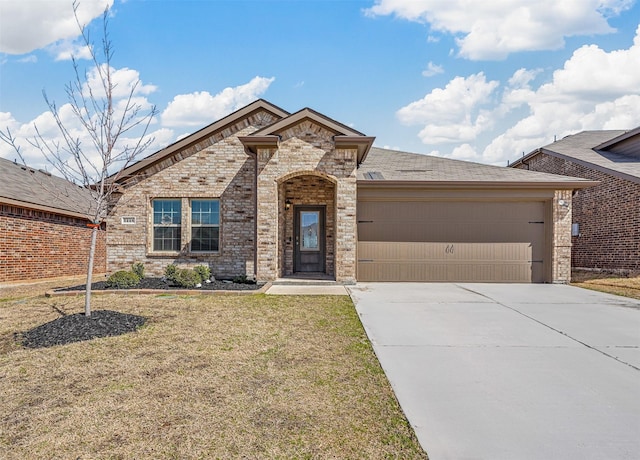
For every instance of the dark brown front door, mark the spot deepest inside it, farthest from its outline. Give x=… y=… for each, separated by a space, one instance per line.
x=309 y=238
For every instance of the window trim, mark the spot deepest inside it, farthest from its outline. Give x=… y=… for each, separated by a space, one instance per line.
x=192 y=226
x=153 y=225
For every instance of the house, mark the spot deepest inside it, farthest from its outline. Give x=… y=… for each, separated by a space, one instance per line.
x=268 y=194
x=606 y=218
x=43 y=227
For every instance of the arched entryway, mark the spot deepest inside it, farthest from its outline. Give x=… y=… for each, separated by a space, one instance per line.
x=307 y=229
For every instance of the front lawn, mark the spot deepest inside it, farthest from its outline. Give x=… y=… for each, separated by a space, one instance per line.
x=205 y=377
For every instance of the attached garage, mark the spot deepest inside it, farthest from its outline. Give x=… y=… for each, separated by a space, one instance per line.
x=424 y=218
x=473 y=241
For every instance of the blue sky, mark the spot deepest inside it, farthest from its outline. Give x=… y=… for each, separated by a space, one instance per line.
x=480 y=81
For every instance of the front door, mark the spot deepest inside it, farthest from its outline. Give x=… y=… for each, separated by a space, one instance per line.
x=309 y=239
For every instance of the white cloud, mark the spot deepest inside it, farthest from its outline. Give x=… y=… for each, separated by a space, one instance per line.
x=123 y=81
x=432 y=69
x=493 y=30
x=593 y=90
x=201 y=108
x=465 y=152
x=29 y=25
x=185 y=110
x=65 y=50
x=453 y=113
x=30 y=59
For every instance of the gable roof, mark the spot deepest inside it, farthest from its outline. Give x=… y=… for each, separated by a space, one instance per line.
x=391 y=167
x=207 y=131
x=37 y=189
x=614 y=152
x=344 y=136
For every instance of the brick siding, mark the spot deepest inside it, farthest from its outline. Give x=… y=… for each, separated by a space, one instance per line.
x=254 y=227
x=608 y=215
x=38 y=245
x=216 y=167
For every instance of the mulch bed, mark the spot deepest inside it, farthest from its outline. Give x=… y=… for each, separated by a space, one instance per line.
x=78 y=327
x=161 y=284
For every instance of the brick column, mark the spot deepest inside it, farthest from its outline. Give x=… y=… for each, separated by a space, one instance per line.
x=346 y=225
x=561 y=247
x=267 y=241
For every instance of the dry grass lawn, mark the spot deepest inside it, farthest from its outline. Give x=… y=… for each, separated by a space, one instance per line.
x=207 y=377
x=628 y=286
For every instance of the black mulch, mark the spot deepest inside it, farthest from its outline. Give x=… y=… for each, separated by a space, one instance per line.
x=78 y=327
x=159 y=283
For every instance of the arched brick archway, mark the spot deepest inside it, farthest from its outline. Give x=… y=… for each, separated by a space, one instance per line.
x=311 y=193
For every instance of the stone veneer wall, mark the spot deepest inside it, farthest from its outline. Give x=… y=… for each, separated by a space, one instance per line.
x=608 y=215
x=216 y=167
x=38 y=245
x=305 y=149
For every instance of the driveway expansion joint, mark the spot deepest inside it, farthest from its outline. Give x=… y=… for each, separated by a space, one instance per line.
x=497 y=302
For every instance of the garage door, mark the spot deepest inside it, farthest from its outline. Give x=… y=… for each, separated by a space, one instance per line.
x=451 y=241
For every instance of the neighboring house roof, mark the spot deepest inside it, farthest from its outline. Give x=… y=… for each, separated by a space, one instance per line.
x=37 y=189
x=391 y=167
x=614 y=152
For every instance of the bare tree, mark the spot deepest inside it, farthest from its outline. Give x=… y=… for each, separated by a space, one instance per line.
x=117 y=133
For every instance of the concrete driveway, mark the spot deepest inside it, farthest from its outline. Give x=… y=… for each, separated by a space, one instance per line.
x=497 y=371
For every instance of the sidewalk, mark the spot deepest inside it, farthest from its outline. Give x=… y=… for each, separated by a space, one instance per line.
x=284 y=289
x=306 y=286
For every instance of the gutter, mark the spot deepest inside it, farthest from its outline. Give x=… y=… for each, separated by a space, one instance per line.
x=39 y=207
x=560 y=185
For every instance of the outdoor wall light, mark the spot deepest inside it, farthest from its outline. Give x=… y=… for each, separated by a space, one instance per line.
x=287 y=205
x=563 y=203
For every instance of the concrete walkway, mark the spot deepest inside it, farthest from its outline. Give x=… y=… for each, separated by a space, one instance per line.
x=490 y=371
x=291 y=289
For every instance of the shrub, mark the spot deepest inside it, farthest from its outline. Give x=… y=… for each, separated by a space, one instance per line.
x=170 y=272
x=242 y=279
x=186 y=278
x=203 y=271
x=138 y=269
x=123 y=279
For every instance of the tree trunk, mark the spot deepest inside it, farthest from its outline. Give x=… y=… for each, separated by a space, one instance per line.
x=92 y=253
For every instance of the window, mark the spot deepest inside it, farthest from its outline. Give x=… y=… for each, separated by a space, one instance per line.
x=205 y=225
x=167 y=225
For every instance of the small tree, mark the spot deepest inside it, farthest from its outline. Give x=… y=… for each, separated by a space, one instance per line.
x=99 y=164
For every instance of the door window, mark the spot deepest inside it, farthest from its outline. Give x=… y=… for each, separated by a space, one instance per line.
x=309 y=228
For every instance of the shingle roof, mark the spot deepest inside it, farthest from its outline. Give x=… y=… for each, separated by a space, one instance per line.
x=391 y=166
x=582 y=148
x=21 y=185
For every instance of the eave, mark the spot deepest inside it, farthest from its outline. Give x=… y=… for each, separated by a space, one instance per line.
x=477 y=185
x=586 y=164
x=39 y=207
x=220 y=125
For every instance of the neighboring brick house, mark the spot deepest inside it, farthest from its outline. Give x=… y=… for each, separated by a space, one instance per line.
x=43 y=231
x=269 y=194
x=606 y=218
